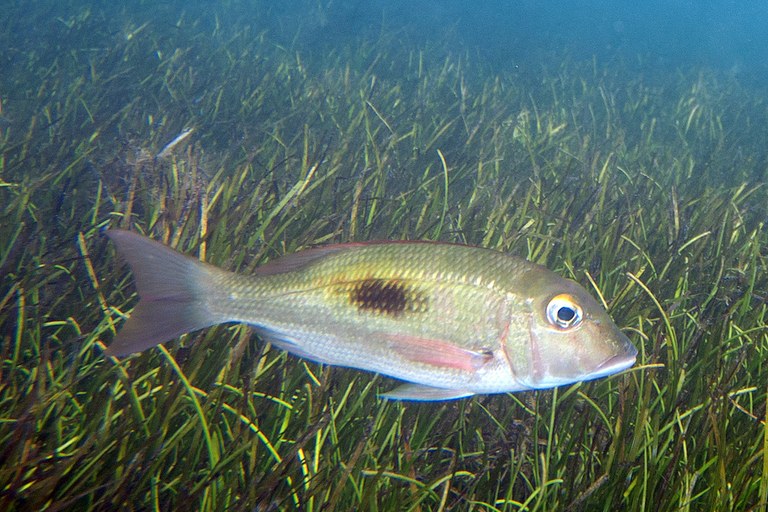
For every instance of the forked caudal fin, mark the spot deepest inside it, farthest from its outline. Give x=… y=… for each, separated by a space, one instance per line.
x=172 y=290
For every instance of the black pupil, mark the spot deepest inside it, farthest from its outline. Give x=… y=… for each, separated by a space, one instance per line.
x=565 y=314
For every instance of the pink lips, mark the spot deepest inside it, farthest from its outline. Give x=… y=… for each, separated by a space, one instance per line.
x=614 y=364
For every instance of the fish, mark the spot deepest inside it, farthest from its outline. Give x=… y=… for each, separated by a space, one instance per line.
x=449 y=320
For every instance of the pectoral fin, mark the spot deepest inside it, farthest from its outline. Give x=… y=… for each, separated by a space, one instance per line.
x=424 y=393
x=440 y=353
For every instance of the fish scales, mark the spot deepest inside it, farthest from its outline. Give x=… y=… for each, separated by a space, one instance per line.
x=318 y=305
x=453 y=320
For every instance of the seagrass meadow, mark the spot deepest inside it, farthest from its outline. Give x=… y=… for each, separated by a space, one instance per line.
x=647 y=188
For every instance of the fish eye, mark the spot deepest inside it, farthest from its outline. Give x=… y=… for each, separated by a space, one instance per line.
x=564 y=312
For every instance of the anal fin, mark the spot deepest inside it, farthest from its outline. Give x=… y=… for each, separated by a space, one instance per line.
x=291 y=345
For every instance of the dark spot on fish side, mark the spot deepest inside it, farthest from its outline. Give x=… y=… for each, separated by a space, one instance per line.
x=390 y=297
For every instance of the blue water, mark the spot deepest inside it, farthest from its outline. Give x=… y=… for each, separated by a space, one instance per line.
x=727 y=35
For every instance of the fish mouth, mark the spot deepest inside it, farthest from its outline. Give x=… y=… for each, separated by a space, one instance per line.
x=615 y=364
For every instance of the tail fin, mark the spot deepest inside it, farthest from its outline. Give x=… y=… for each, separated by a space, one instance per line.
x=172 y=289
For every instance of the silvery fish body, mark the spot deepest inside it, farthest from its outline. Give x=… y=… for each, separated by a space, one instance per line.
x=451 y=320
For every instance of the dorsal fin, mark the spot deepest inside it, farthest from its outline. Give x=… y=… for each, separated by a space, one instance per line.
x=306 y=257
x=301 y=259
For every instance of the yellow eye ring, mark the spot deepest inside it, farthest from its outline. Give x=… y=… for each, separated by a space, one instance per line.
x=563 y=311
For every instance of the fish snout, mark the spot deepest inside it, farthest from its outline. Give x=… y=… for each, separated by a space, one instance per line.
x=615 y=364
x=597 y=349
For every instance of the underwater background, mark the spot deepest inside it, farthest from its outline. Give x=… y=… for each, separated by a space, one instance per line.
x=622 y=144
